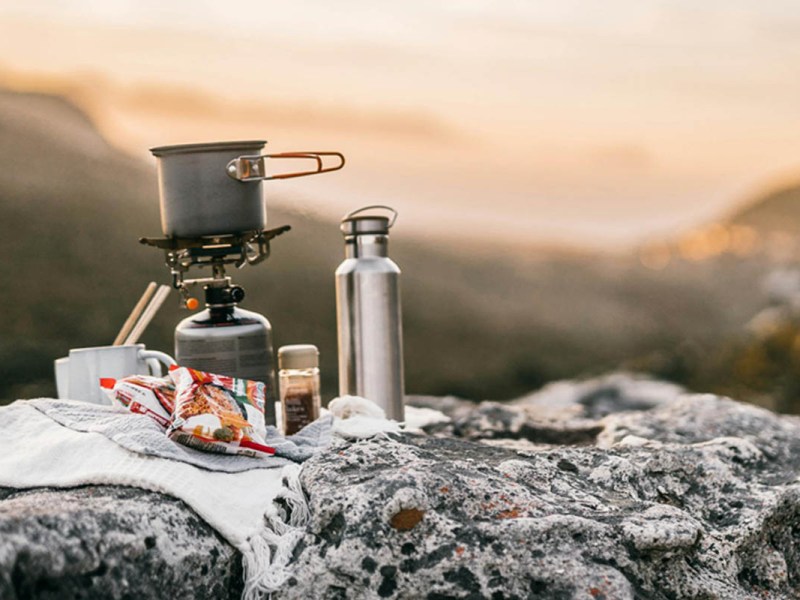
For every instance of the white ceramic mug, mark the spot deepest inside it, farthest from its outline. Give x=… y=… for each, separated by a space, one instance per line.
x=62 y=377
x=78 y=377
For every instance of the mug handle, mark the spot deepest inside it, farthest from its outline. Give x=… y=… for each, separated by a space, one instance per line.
x=155 y=359
x=251 y=168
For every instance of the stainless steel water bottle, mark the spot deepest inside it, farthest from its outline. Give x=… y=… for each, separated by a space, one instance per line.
x=369 y=322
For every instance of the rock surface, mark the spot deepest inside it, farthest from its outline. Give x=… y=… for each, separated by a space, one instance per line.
x=607 y=489
x=110 y=542
x=682 y=497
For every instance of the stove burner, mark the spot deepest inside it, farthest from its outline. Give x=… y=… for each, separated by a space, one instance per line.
x=239 y=249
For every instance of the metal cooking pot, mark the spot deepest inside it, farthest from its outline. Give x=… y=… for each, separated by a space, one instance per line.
x=215 y=188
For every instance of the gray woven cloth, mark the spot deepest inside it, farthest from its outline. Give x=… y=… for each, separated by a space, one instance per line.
x=140 y=434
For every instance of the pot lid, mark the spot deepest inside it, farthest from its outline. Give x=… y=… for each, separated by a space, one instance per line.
x=252 y=146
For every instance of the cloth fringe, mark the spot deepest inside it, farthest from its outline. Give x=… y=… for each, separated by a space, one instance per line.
x=266 y=555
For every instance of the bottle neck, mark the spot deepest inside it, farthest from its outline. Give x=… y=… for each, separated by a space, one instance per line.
x=366 y=246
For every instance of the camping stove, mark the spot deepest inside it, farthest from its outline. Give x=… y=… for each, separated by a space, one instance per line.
x=213 y=214
x=223 y=338
x=240 y=249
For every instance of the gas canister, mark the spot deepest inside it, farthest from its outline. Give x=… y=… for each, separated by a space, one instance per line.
x=228 y=340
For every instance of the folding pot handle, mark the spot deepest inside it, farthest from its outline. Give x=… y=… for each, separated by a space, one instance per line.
x=252 y=168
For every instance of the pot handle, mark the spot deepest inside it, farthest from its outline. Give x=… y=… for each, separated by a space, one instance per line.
x=251 y=168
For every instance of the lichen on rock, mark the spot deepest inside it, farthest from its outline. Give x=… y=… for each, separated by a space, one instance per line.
x=618 y=488
x=110 y=542
x=679 y=496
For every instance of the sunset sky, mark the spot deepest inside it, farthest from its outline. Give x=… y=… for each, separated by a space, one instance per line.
x=589 y=122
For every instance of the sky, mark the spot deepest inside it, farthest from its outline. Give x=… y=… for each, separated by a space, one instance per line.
x=593 y=123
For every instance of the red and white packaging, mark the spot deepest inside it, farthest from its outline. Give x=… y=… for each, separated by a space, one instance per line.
x=217 y=413
x=143 y=394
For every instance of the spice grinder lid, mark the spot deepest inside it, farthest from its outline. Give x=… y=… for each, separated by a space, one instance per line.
x=298 y=356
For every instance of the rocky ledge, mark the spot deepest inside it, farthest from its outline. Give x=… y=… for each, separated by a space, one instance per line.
x=612 y=488
x=110 y=542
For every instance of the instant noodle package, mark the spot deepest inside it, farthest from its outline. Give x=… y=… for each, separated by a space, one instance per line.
x=218 y=413
x=143 y=394
x=214 y=413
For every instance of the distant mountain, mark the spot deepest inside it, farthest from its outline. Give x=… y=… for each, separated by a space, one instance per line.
x=776 y=211
x=480 y=324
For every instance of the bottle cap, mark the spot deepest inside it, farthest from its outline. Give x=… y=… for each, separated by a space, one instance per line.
x=365 y=225
x=298 y=356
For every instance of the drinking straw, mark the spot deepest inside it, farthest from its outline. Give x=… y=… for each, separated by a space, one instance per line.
x=135 y=313
x=149 y=313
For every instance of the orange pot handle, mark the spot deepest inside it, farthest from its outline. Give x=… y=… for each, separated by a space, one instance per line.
x=253 y=168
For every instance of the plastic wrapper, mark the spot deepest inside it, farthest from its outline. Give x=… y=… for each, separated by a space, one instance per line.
x=217 y=413
x=143 y=394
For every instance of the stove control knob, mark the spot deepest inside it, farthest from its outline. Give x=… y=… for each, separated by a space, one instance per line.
x=237 y=294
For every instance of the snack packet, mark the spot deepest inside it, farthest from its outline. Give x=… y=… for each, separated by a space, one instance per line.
x=217 y=413
x=143 y=394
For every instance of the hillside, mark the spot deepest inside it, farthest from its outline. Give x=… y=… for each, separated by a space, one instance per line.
x=775 y=211
x=481 y=324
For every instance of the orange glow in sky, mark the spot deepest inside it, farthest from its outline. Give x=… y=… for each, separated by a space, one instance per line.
x=592 y=123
